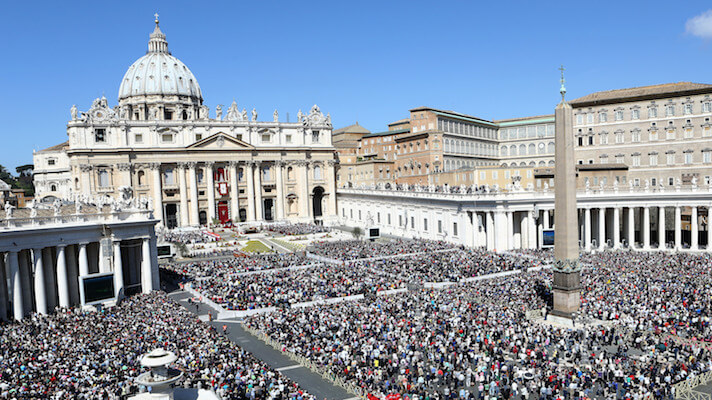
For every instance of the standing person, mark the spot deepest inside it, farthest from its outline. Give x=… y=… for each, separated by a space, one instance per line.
x=224 y=328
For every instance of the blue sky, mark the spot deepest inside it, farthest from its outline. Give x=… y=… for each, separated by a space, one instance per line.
x=367 y=61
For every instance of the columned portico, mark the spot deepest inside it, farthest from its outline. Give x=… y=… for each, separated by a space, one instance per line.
x=694 y=234
x=601 y=228
x=194 y=218
x=616 y=227
x=38 y=270
x=587 y=229
x=13 y=263
x=62 y=277
x=630 y=236
x=249 y=173
x=661 y=228
x=184 y=212
x=678 y=228
x=234 y=192
x=259 y=215
x=645 y=228
x=118 y=270
x=157 y=191
x=209 y=174
x=279 y=166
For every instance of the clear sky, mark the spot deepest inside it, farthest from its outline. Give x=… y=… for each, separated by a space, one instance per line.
x=365 y=61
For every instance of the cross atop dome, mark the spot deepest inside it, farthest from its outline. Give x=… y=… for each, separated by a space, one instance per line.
x=157 y=43
x=156 y=20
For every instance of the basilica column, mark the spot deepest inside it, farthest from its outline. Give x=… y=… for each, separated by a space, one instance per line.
x=631 y=227
x=616 y=228
x=587 y=229
x=645 y=228
x=709 y=228
x=331 y=187
x=83 y=270
x=248 y=172
x=279 y=165
x=303 y=184
x=194 y=218
x=184 y=213
x=546 y=219
x=661 y=227
x=210 y=175
x=62 y=277
x=40 y=290
x=678 y=228
x=4 y=295
x=694 y=232
x=85 y=173
x=49 y=278
x=259 y=214
x=601 y=228
x=15 y=281
x=157 y=191
x=234 y=193
x=125 y=173
x=118 y=270
x=146 y=275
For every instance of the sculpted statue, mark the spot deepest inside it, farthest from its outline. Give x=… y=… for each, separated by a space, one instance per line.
x=678 y=182
x=275 y=116
x=300 y=116
x=124 y=112
x=615 y=185
x=244 y=114
x=254 y=114
x=694 y=181
x=103 y=102
x=328 y=118
x=232 y=113
x=153 y=113
x=73 y=111
x=218 y=112
x=78 y=205
x=647 y=184
x=204 y=111
x=57 y=207
x=8 y=210
x=33 y=208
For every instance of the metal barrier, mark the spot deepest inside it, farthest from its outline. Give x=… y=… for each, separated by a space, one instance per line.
x=685 y=389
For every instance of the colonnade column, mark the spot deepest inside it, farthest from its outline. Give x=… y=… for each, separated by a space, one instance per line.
x=157 y=191
x=532 y=229
x=194 y=218
x=709 y=228
x=147 y=277
x=118 y=270
x=631 y=227
x=661 y=228
x=546 y=219
x=258 y=192
x=498 y=231
x=13 y=263
x=40 y=295
x=234 y=193
x=211 y=190
x=587 y=229
x=489 y=230
x=694 y=233
x=62 y=277
x=4 y=295
x=83 y=270
x=645 y=228
x=280 y=189
x=303 y=189
x=616 y=227
x=510 y=230
x=248 y=172
x=184 y=221
x=678 y=228
x=601 y=228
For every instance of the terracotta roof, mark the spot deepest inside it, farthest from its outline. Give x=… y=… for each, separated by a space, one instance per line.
x=386 y=133
x=499 y=121
x=400 y=121
x=355 y=128
x=642 y=93
x=56 y=147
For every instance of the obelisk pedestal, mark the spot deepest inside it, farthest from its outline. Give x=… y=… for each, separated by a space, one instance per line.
x=567 y=271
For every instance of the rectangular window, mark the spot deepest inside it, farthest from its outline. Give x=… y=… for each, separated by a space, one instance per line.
x=688 y=109
x=315 y=136
x=579 y=119
x=604 y=159
x=635 y=114
x=104 y=178
x=688 y=158
x=50 y=161
x=266 y=138
x=652 y=112
x=167 y=138
x=707 y=131
x=619 y=137
x=100 y=135
x=670 y=159
x=378 y=217
x=389 y=219
x=288 y=138
x=198 y=137
x=671 y=181
x=653 y=136
x=669 y=110
x=707 y=107
x=495 y=175
x=653 y=181
x=636 y=161
x=454 y=229
x=670 y=134
x=604 y=138
x=620 y=159
x=603 y=117
x=400 y=220
x=589 y=118
x=619 y=115
x=653 y=159
x=580 y=140
x=635 y=136
x=590 y=140
x=359 y=215
x=707 y=157
x=689 y=133
x=440 y=226
x=425 y=224
x=138 y=138
x=412 y=222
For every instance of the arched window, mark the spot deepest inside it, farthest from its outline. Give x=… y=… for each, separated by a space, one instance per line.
x=532 y=149
x=551 y=148
x=317 y=173
x=505 y=151
x=513 y=150
x=522 y=150
x=53 y=188
x=141 y=178
x=542 y=164
x=551 y=163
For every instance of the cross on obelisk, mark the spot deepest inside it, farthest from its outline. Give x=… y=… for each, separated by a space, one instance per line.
x=567 y=271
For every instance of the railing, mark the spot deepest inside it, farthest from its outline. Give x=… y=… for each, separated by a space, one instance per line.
x=115 y=216
x=685 y=389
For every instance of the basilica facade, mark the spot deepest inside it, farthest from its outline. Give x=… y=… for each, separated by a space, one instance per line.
x=161 y=141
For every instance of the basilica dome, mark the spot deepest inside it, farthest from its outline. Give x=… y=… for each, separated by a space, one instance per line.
x=159 y=73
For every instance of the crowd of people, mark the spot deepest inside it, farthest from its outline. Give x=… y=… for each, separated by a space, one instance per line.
x=344 y=250
x=297 y=229
x=185 y=236
x=644 y=326
x=74 y=354
x=232 y=265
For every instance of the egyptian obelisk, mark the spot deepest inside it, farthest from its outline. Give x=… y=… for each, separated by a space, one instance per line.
x=567 y=271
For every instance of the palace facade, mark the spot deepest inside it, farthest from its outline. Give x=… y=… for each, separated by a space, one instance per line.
x=161 y=141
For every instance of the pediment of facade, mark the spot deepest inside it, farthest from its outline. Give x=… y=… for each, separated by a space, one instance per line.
x=220 y=141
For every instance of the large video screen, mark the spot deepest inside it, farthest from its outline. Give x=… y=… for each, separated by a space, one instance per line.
x=98 y=288
x=548 y=238
x=373 y=232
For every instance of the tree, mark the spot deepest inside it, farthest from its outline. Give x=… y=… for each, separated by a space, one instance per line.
x=357 y=232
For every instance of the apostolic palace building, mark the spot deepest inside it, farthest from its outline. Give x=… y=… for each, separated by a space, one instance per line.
x=161 y=141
